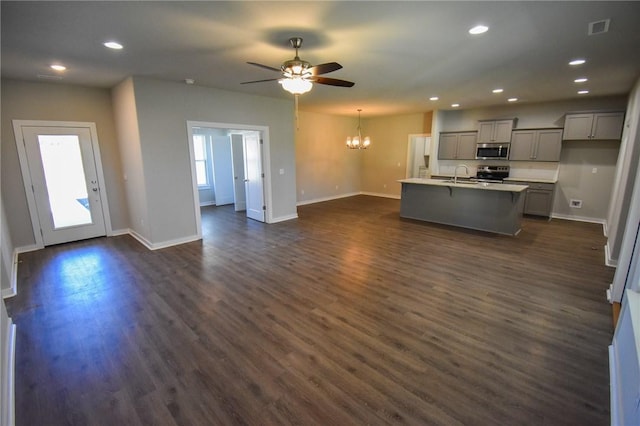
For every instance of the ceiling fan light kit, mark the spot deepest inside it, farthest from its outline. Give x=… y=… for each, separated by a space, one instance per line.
x=298 y=75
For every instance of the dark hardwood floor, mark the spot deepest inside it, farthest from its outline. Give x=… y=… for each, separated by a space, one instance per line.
x=348 y=315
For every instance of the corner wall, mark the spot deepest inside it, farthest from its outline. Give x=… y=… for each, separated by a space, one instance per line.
x=163 y=109
x=325 y=168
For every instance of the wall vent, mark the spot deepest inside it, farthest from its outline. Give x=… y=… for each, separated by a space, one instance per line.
x=599 y=27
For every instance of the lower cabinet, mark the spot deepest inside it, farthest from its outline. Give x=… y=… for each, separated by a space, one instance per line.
x=539 y=198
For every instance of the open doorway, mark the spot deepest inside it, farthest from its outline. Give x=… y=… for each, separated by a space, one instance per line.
x=229 y=165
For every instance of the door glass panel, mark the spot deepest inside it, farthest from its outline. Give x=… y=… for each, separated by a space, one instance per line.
x=65 y=180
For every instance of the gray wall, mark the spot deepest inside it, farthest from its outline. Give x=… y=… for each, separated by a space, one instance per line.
x=23 y=100
x=576 y=180
x=575 y=177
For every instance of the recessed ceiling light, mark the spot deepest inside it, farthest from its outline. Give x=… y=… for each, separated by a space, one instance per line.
x=434 y=98
x=512 y=100
x=189 y=81
x=580 y=80
x=112 y=45
x=582 y=92
x=577 y=62
x=478 y=29
x=498 y=90
x=58 y=67
x=455 y=105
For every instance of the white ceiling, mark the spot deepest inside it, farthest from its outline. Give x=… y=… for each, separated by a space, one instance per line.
x=398 y=53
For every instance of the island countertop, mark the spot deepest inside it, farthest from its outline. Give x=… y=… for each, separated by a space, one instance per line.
x=486 y=186
x=485 y=206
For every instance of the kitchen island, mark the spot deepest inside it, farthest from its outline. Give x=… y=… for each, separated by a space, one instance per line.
x=491 y=207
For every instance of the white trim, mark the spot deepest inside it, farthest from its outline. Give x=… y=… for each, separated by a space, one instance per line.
x=266 y=164
x=323 y=199
x=208 y=203
x=579 y=218
x=349 y=194
x=380 y=194
x=157 y=246
x=8 y=403
x=119 y=232
x=607 y=257
x=26 y=175
x=194 y=184
x=284 y=218
x=614 y=385
x=13 y=284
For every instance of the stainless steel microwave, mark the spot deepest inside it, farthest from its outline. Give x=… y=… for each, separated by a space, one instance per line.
x=492 y=151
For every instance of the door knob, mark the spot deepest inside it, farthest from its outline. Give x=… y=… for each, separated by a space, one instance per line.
x=246 y=180
x=94 y=189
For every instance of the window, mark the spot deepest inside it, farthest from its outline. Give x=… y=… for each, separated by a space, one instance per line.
x=200 y=152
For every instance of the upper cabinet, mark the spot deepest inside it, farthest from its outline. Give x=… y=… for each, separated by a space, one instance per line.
x=536 y=145
x=457 y=146
x=594 y=126
x=494 y=131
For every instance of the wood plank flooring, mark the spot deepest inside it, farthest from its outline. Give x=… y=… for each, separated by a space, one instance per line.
x=348 y=315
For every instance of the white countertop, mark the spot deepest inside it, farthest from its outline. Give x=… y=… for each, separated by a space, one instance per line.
x=486 y=186
x=530 y=180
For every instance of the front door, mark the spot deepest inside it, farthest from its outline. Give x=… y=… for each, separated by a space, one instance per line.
x=254 y=178
x=64 y=181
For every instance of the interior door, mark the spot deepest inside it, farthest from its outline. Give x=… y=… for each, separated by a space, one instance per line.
x=237 y=160
x=254 y=179
x=64 y=180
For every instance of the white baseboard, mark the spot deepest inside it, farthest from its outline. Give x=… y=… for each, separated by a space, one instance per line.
x=13 y=285
x=13 y=279
x=578 y=218
x=284 y=218
x=607 y=257
x=350 y=194
x=164 y=244
x=322 y=199
x=118 y=232
x=380 y=194
x=208 y=203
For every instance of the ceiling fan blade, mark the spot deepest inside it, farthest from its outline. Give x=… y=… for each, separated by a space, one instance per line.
x=264 y=66
x=260 y=81
x=332 y=81
x=325 y=68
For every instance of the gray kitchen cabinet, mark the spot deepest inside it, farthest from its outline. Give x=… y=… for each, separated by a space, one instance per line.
x=494 y=131
x=538 y=199
x=536 y=145
x=594 y=126
x=457 y=146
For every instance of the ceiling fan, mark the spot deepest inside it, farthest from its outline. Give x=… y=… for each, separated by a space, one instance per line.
x=298 y=76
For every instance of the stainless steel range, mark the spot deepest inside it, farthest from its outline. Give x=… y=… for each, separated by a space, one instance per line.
x=492 y=173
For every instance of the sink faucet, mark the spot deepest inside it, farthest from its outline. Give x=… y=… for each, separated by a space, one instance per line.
x=455 y=172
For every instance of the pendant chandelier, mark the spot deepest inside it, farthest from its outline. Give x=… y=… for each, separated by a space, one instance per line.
x=356 y=142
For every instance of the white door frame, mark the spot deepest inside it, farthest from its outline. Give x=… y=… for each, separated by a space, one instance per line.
x=266 y=164
x=26 y=175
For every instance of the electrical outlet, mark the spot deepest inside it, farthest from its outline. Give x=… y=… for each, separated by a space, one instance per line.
x=575 y=204
x=594 y=170
x=302 y=191
x=384 y=186
x=336 y=186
